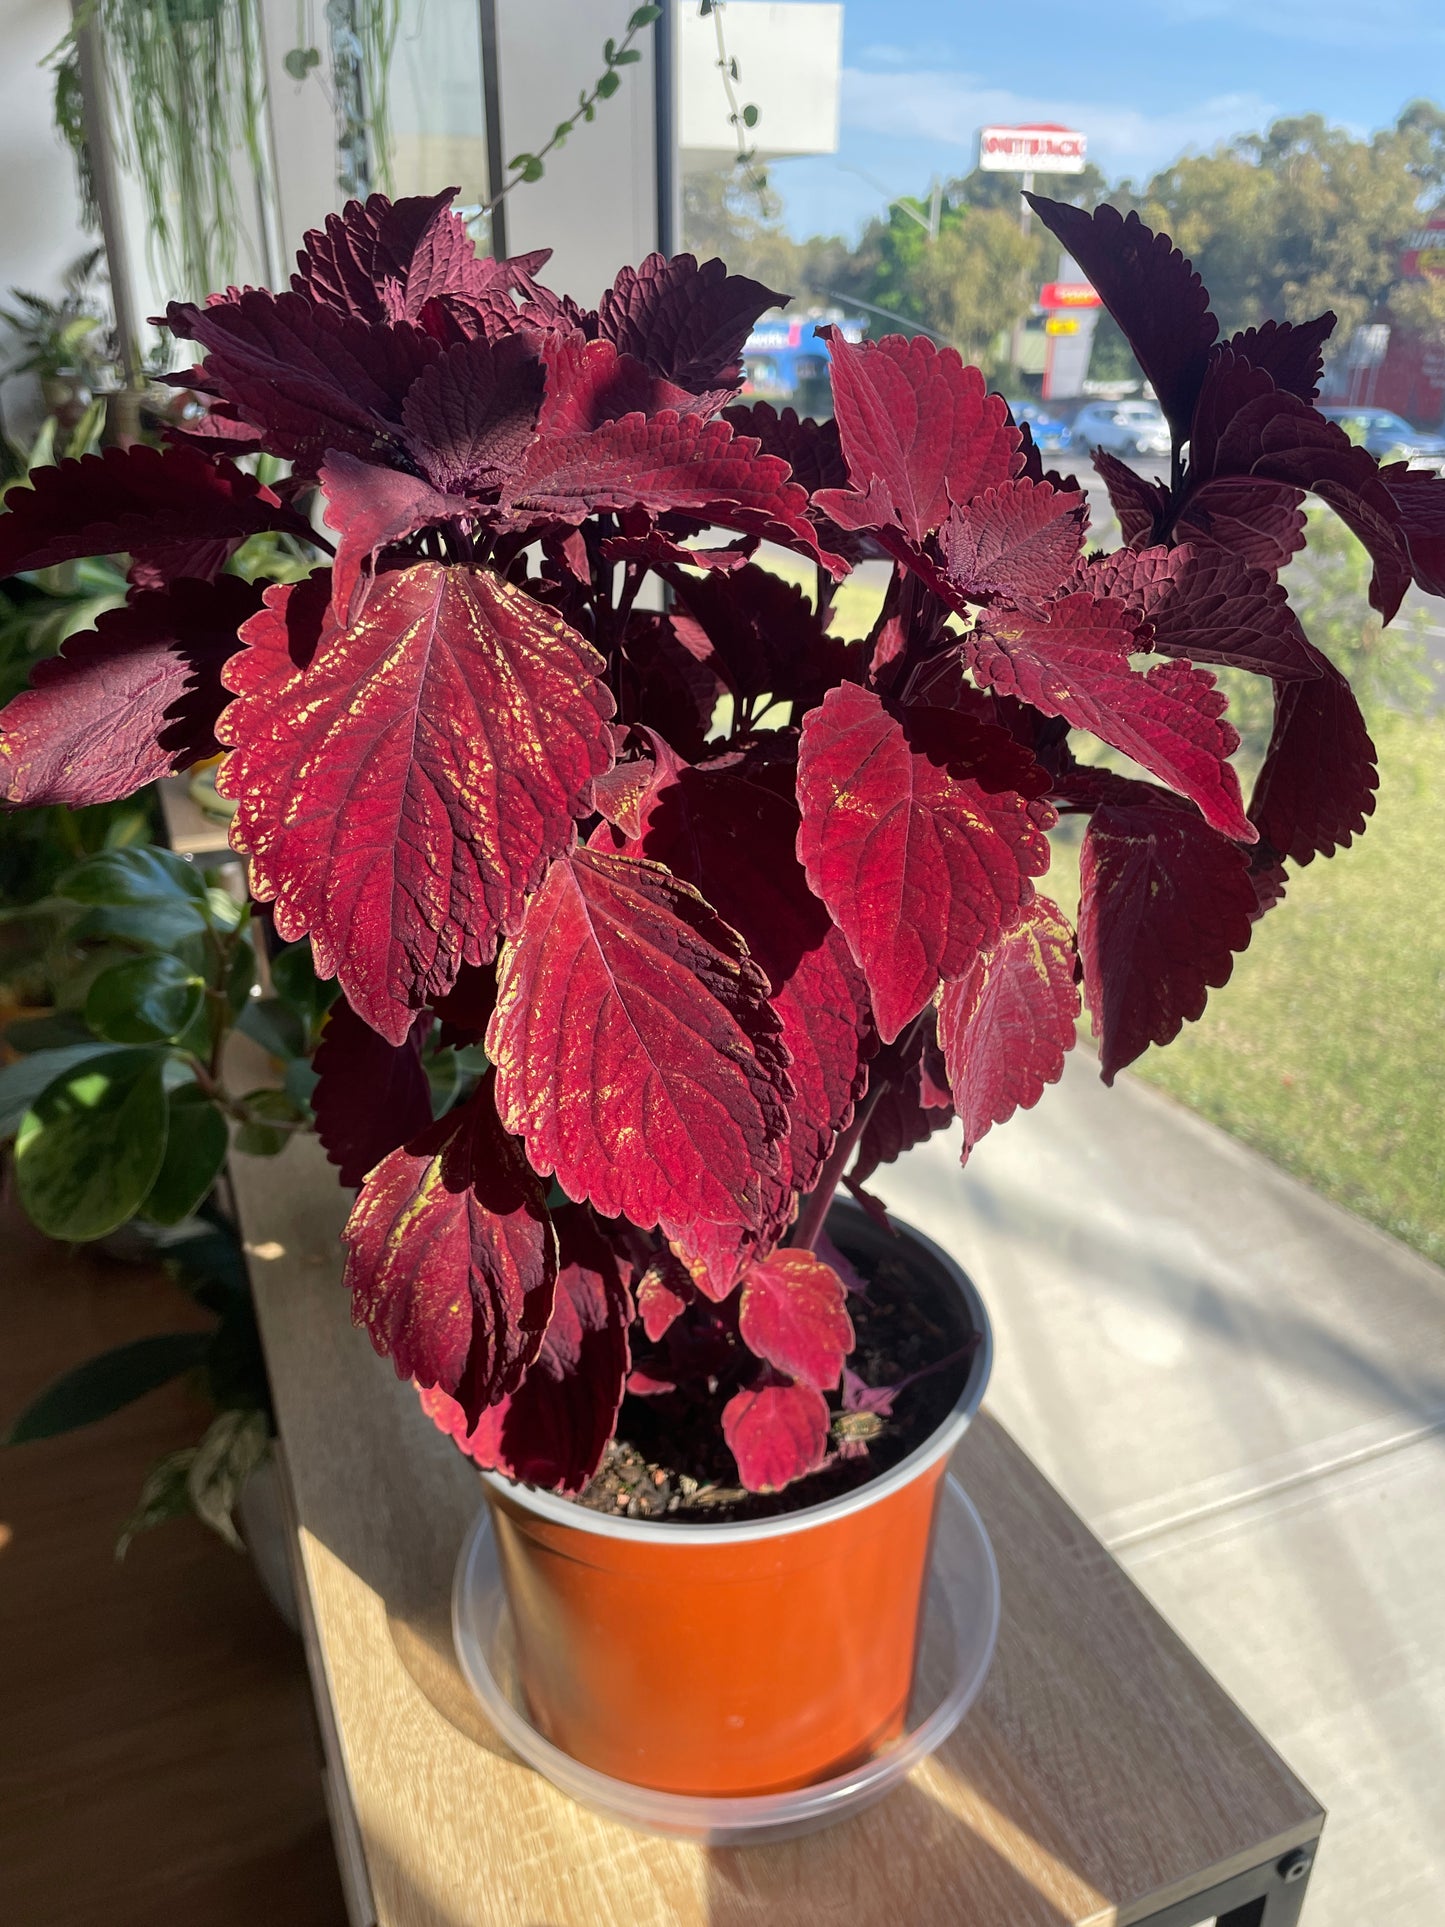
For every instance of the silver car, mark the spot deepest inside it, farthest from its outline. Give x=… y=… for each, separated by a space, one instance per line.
x=1122 y=427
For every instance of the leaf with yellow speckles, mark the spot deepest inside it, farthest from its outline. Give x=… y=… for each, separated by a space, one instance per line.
x=403 y=783
x=451 y=1260
x=920 y=861
x=1007 y=1022
x=636 y=1050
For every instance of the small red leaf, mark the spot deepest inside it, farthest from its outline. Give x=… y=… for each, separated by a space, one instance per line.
x=384 y=260
x=127 y=702
x=1319 y=777
x=1139 y=504
x=663 y=1295
x=919 y=866
x=174 y=509
x=402 y=793
x=636 y=1050
x=1021 y=539
x=1007 y=1022
x=1165 y=904
x=777 y=1432
x=1292 y=352
x=371 y=1097
x=1073 y=662
x=794 y=1316
x=684 y=321
x=451 y=1262
x=371 y=508
x=919 y=434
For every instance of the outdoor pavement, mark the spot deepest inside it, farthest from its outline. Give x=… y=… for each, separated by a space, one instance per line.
x=1242 y=1389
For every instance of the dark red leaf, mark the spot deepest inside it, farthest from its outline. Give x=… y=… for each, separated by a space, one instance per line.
x=469 y=416
x=1152 y=292
x=1007 y=1022
x=760 y=633
x=919 y=864
x=1260 y=524
x=402 y=794
x=901 y=1113
x=656 y=549
x=777 y=1432
x=1419 y=499
x=383 y=261
x=310 y=379
x=1319 y=777
x=451 y=1262
x=1165 y=904
x=370 y=509
x=590 y=382
x=1021 y=539
x=661 y=679
x=814 y=452
x=1140 y=505
x=371 y=1097
x=794 y=1316
x=1074 y=663
x=1204 y=604
x=919 y=433
x=466 y=1009
x=637 y=1053
x=175 y=509
x=127 y=702
x=684 y=321
x=1290 y=351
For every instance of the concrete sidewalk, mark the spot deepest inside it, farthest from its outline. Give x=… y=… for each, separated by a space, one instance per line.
x=1242 y=1389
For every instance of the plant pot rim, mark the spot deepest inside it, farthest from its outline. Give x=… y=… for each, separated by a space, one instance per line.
x=939 y=1443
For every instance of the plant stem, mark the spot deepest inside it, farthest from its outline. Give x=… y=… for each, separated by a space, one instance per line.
x=818 y=1202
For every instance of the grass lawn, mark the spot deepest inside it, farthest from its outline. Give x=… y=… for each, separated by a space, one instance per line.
x=1326 y=1049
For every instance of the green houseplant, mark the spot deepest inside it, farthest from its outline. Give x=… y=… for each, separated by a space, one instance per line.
x=735 y=908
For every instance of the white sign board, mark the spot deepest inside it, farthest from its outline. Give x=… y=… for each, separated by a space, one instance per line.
x=1044 y=149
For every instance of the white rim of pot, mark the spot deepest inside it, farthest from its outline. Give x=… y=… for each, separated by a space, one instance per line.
x=940 y=1442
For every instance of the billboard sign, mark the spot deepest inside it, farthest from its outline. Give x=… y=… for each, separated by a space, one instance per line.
x=1068 y=294
x=1045 y=148
x=1422 y=257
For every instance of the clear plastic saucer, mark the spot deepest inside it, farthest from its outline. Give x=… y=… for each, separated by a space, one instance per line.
x=960 y=1629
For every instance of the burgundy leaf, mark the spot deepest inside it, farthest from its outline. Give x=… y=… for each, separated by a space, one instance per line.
x=813 y=451
x=660 y=678
x=684 y=321
x=469 y=416
x=451 y=1262
x=794 y=1316
x=1074 y=664
x=1319 y=777
x=1206 y=605
x=735 y=841
x=1419 y=499
x=1007 y=1022
x=1140 y=505
x=127 y=702
x=655 y=549
x=1165 y=903
x=760 y=632
x=777 y=1432
x=370 y=509
x=371 y=1097
x=667 y=462
x=1290 y=351
x=1152 y=292
x=637 y=1053
x=175 y=509
x=384 y=260
x=466 y=1009
x=402 y=793
x=1021 y=539
x=1260 y=524
x=311 y=379
x=900 y=1114
x=920 y=866
x=663 y=1294
x=553 y=1430
x=590 y=382
x=919 y=434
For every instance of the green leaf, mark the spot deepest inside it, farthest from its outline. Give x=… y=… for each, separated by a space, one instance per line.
x=132 y=877
x=299 y=61
x=626 y=57
x=91 y=1145
x=750 y=116
x=443 y=1074
x=57 y=1030
x=609 y=51
x=609 y=83
x=260 y=1138
x=162 y=924
x=108 y=1381
x=22 y=1083
x=644 y=16
x=226 y=1457
x=300 y=1081
x=294 y=979
x=145 y=1001
x=196 y=1144
x=533 y=169
x=164 y=1495
x=274 y=1026
x=240 y=975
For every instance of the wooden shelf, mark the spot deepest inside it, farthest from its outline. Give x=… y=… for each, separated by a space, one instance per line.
x=1102 y=1777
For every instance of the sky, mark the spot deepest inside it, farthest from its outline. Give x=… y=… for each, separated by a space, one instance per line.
x=1146 y=80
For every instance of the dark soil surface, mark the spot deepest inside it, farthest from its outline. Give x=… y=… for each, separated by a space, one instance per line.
x=667 y=1462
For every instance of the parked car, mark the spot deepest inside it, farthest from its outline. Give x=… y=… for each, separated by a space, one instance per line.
x=1122 y=427
x=1389 y=437
x=1051 y=436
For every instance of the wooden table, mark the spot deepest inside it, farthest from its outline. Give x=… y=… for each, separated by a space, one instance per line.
x=1102 y=1777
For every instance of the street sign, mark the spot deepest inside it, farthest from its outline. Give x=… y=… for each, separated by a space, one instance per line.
x=1041 y=148
x=1068 y=294
x=1062 y=324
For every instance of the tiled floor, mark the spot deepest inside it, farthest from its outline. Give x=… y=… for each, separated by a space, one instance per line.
x=1243 y=1390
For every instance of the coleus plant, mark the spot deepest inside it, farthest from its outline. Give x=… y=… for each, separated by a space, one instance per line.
x=738 y=908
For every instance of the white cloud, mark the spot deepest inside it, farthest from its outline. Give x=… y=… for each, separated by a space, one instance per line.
x=1123 y=139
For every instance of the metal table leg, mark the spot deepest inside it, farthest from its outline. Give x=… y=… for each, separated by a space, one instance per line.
x=1267 y=1896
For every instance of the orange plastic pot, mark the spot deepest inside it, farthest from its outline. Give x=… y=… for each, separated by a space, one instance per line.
x=733 y=1659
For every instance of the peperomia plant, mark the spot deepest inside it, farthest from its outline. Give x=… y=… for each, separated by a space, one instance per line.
x=738 y=908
